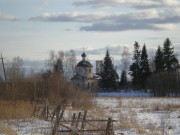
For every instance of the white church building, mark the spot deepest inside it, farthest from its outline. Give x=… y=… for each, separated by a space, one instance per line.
x=84 y=76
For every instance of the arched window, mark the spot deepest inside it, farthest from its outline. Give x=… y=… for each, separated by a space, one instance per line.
x=89 y=70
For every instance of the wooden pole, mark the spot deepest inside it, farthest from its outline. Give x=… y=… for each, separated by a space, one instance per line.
x=3 y=68
x=109 y=128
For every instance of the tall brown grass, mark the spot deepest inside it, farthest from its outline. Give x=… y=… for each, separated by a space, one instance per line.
x=16 y=109
x=18 y=97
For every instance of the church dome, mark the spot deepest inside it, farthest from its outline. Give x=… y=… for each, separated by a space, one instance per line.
x=84 y=63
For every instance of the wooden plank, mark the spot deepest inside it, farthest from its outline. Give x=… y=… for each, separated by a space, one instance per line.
x=80 y=120
x=71 y=130
x=94 y=130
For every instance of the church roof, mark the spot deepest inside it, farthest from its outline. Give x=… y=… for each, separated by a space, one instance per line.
x=84 y=63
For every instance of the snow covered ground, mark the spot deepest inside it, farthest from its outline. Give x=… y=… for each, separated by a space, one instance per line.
x=148 y=116
x=135 y=116
x=126 y=93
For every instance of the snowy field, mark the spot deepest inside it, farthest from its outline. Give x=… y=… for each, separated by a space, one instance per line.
x=135 y=116
x=126 y=93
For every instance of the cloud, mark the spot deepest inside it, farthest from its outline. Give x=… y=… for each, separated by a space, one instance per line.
x=130 y=3
x=70 y=17
x=101 y=21
x=117 y=27
x=5 y=17
x=165 y=26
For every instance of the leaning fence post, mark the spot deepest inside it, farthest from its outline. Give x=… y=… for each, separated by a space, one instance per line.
x=77 y=122
x=83 y=121
x=73 y=119
x=61 y=116
x=56 y=123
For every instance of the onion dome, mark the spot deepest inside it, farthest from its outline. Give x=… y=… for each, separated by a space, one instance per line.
x=83 y=62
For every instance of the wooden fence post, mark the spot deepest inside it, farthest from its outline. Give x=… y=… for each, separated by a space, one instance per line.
x=77 y=122
x=56 y=123
x=83 y=120
x=73 y=119
x=46 y=109
x=109 y=128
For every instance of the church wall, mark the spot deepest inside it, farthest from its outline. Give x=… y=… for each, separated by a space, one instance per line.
x=87 y=72
x=89 y=84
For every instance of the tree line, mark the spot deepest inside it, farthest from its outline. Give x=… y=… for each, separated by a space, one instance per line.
x=163 y=80
x=136 y=71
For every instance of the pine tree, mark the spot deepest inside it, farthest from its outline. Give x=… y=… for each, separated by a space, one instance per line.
x=144 y=67
x=108 y=73
x=58 y=66
x=134 y=70
x=159 y=63
x=123 y=81
x=168 y=56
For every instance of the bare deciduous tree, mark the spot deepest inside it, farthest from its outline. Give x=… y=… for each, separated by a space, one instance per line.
x=68 y=60
x=15 y=69
x=125 y=58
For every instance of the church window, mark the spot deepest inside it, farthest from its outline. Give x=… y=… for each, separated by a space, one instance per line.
x=89 y=70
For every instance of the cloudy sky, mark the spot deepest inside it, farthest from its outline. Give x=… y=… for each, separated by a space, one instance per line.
x=31 y=28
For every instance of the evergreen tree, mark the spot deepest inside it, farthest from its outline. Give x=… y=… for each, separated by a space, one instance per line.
x=144 y=67
x=108 y=73
x=58 y=66
x=134 y=70
x=159 y=63
x=168 y=56
x=123 y=81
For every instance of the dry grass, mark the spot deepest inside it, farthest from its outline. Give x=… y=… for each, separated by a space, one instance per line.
x=82 y=100
x=130 y=121
x=7 y=130
x=161 y=107
x=15 y=109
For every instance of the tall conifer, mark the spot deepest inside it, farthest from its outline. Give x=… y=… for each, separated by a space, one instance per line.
x=134 y=70
x=168 y=55
x=123 y=81
x=159 y=63
x=144 y=67
x=108 y=73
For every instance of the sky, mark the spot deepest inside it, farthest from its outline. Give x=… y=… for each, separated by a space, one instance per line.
x=31 y=28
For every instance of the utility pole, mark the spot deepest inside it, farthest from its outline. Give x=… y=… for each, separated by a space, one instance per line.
x=2 y=59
